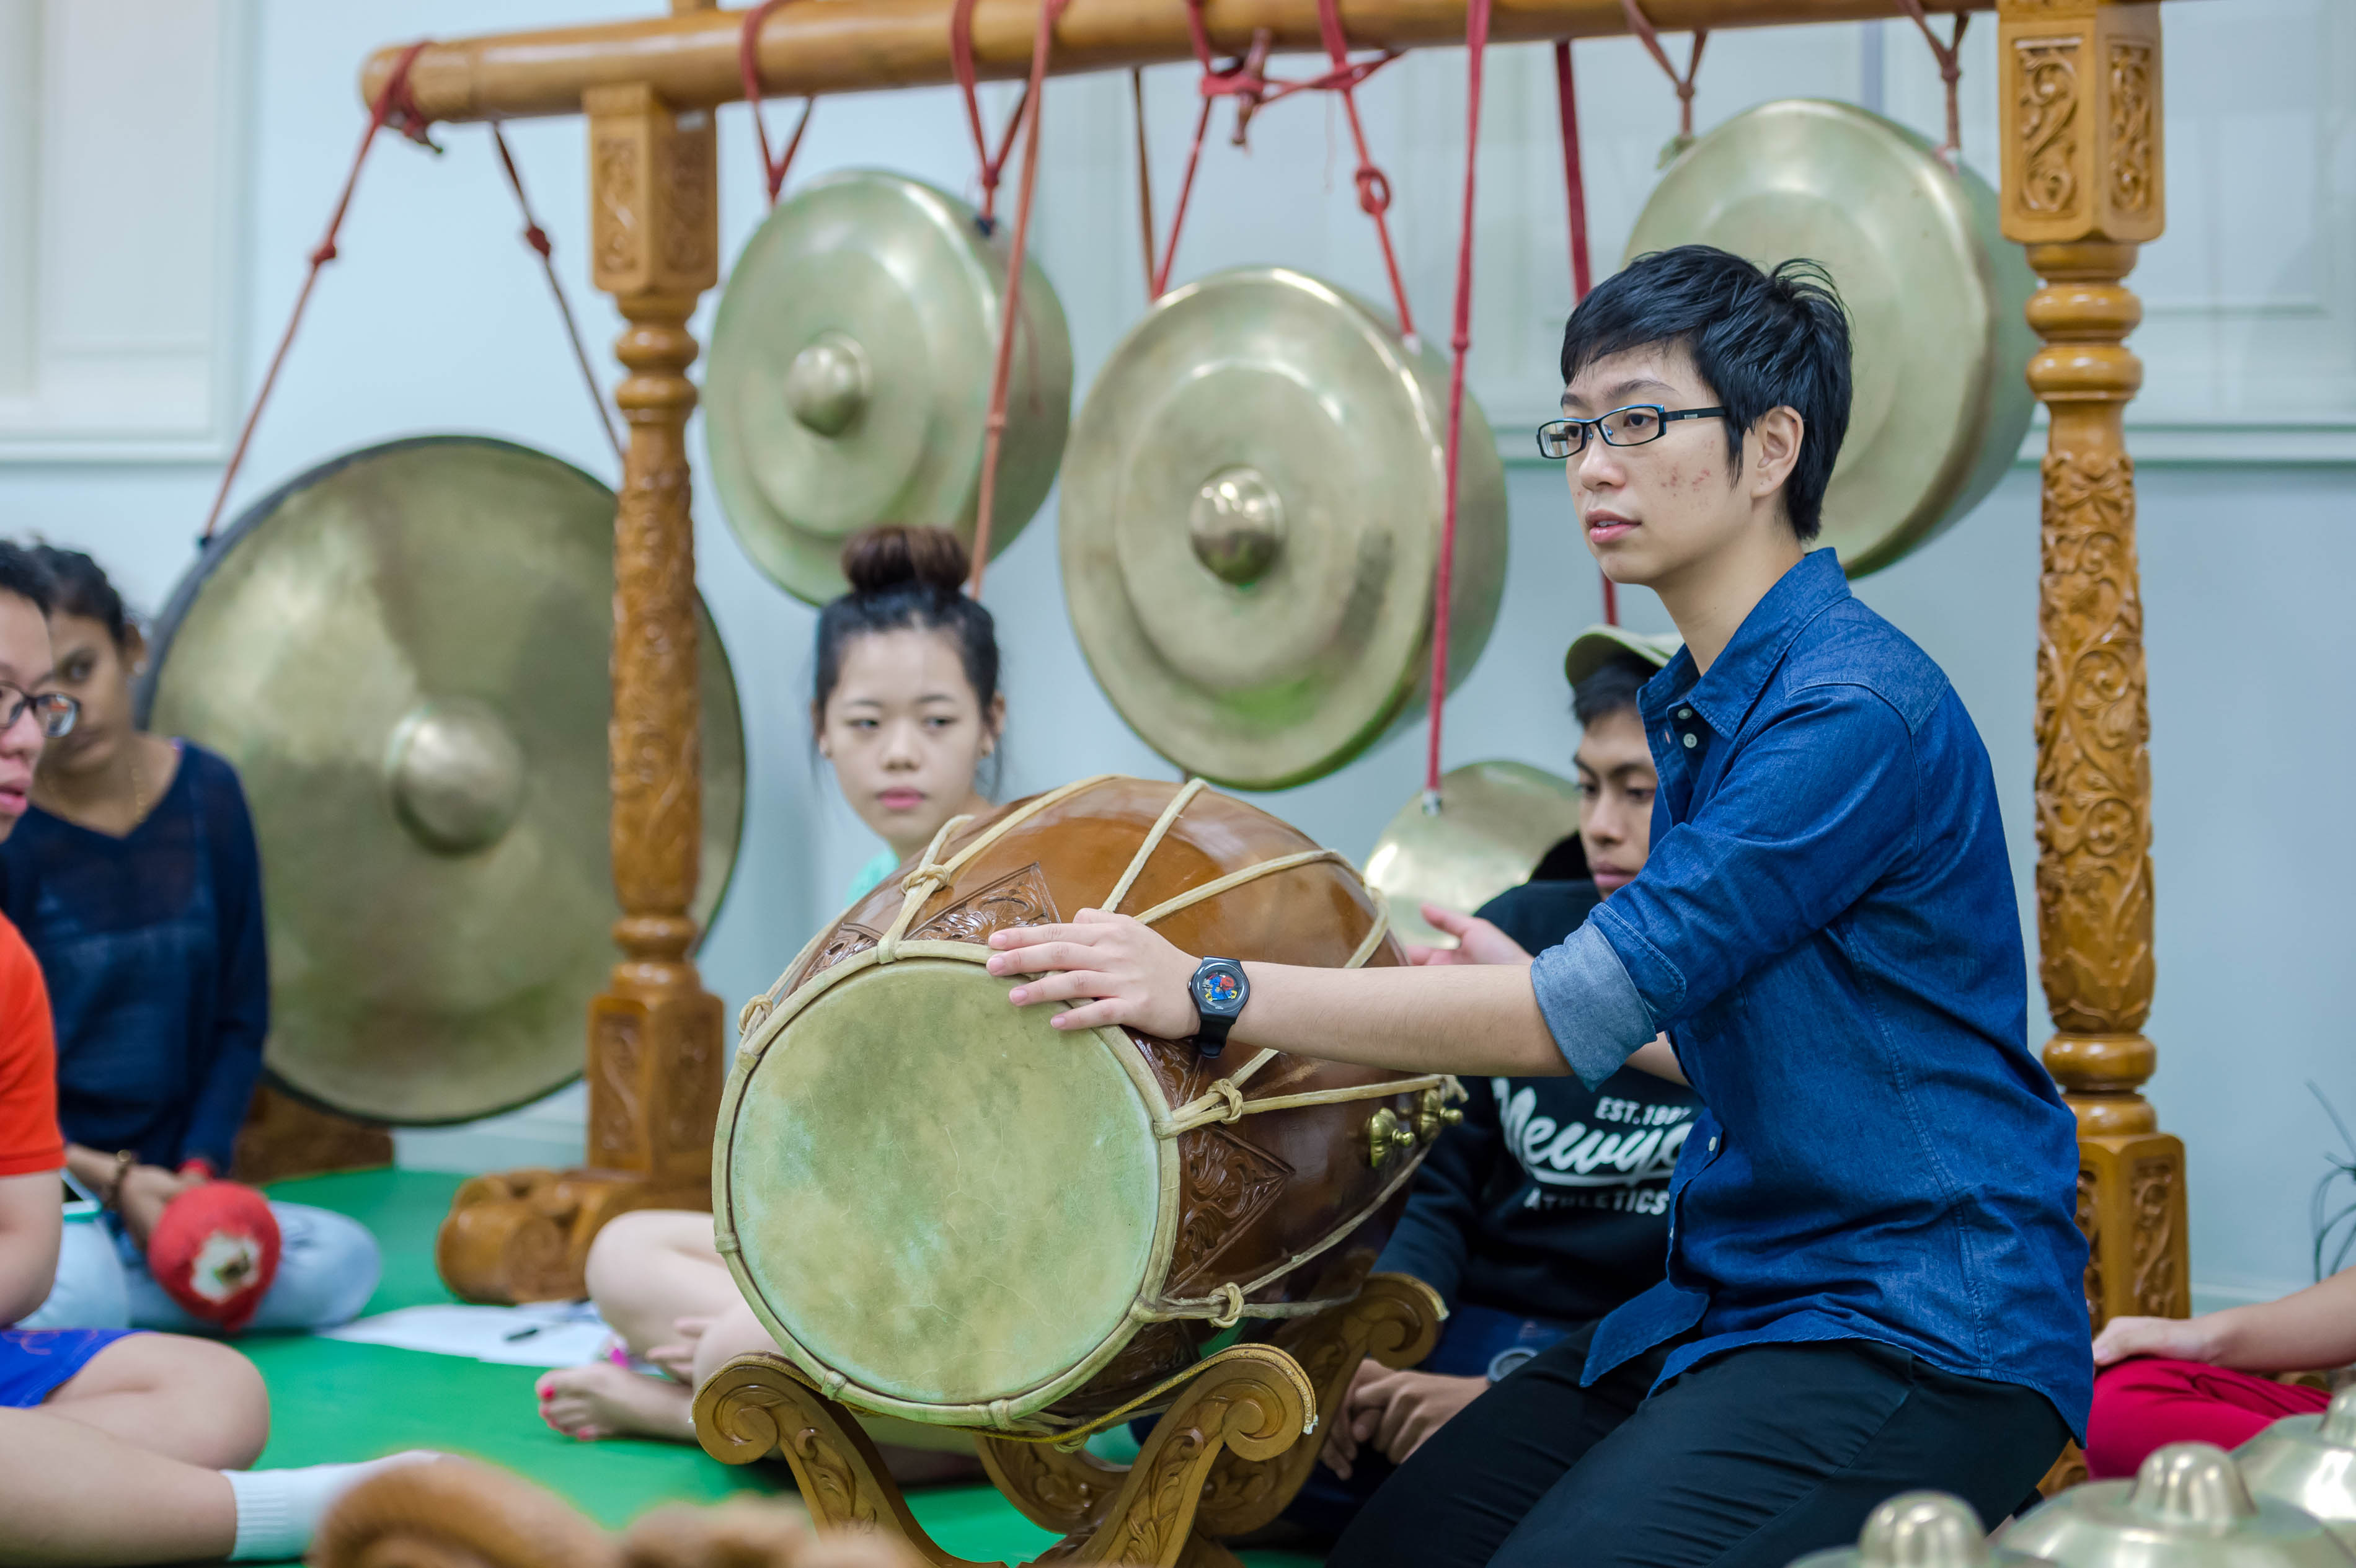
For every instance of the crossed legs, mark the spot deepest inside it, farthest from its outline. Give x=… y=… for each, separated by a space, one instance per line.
x=122 y=1464
x=656 y=1277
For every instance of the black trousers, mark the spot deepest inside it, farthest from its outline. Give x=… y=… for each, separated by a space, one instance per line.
x=1751 y=1460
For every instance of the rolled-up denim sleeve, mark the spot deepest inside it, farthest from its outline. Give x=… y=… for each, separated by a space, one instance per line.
x=1815 y=809
x=1591 y=1006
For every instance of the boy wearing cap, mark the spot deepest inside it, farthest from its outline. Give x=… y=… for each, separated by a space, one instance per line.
x=1875 y=1275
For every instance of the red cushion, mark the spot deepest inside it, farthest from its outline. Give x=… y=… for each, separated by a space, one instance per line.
x=215 y=1252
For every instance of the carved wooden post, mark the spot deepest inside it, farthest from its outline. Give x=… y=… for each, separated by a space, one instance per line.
x=2080 y=93
x=656 y=1060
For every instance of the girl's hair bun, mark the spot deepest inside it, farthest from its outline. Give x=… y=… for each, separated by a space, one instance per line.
x=878 y=560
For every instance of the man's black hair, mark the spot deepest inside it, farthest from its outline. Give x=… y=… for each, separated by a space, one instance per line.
x=1760 y=340
x=22 y=574
x=1610 y=687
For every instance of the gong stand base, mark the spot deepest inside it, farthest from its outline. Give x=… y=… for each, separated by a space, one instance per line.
x=1225 y=1457
x=518 y=1236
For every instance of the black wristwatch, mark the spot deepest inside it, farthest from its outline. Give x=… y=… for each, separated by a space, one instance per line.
x=1220 y=993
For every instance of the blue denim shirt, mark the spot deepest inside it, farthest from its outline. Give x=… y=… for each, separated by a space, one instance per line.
x=1827 y=930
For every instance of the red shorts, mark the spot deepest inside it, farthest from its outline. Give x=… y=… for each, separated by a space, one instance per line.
x=2141 y=1404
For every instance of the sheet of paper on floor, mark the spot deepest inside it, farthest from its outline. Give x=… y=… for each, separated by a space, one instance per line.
x=542 y=1334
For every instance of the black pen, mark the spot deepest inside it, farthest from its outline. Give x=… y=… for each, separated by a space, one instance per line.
x=520 y=1334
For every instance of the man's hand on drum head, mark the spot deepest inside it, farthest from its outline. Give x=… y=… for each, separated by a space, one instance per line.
x=1121 y=971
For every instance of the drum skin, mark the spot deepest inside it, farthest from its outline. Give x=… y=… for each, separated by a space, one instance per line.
x=889 y=1120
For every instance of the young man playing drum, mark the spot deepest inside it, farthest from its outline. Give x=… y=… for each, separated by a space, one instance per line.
x=1874 y=1273
x=1548 y=1206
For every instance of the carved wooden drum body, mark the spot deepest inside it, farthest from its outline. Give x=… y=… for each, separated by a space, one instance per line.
x=945 y=1208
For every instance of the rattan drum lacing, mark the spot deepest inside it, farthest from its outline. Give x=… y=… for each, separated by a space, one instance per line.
x=1223 y=1101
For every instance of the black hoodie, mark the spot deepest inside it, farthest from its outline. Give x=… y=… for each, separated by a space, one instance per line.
x=1552 y=1200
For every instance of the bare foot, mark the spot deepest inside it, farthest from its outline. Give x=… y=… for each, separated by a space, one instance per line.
x=601 y=1399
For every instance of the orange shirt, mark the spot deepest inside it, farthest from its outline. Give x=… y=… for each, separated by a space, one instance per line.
x=29 y=1139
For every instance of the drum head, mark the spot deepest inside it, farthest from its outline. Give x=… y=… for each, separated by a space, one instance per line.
x=404 y=654
x=971 y=1236
x=1936 y=295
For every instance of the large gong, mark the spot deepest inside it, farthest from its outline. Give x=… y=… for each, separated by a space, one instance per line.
x=404 y=653
x=1250 y=526
x=1936 y=295
x=851 y=370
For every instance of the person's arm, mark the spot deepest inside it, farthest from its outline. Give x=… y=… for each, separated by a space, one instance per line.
x=32 y=1219
x=1481 y=1019
x=1481 y=940
x=139 y=1193
x=2308 y=1330
x=1821 y=803
x=242 y=992
x=32 y=1201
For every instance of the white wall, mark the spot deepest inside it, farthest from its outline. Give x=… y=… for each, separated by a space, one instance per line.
x=435 y=319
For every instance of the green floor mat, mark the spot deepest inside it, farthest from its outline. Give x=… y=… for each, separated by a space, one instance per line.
x=331 y=1401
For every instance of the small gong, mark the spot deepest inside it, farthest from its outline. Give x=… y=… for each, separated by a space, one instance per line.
x=1922 y=1530
x=2187 y=1508
x=850 y=380
x=1936 y=297
x=2309 y=1462
x=405 y=654
x=1487 y=831
x=1250 y=526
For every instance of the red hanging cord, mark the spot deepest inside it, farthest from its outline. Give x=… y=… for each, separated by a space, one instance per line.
x=537 y=238
x=748 y=67
x=961 y=61
x=395 y=107
x=1951 y=71
x=1642 y=26
x=1159 y=284
x=1574 y=178
x=1476 y=43
x=1011 y=308
x=1374 y=186
x=1246 y=81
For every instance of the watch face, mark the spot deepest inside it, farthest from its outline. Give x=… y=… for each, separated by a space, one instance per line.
x=1219 y=989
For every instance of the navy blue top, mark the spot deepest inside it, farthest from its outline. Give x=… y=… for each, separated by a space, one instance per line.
x=1551 y=1198
x=152 y=946
x=1827 y=930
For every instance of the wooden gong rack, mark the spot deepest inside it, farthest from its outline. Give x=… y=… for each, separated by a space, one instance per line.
x=2081 y=187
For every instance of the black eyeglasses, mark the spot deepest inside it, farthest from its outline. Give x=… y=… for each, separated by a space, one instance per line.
x=54 y=711
x=1630 y=426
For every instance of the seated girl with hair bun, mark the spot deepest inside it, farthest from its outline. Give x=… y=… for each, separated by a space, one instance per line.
x=905 y=705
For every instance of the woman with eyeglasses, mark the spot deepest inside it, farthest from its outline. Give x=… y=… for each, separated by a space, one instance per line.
x=135 y=879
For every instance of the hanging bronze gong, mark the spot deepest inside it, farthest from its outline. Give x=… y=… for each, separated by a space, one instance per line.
x=1250 y=527
x=1493 y=822
x=1936 y=297
x=850 y=380
x=404 y=654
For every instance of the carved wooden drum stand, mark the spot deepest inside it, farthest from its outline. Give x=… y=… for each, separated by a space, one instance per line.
x=945 y=1209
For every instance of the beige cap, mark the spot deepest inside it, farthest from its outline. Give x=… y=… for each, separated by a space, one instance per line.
x=1595 y=647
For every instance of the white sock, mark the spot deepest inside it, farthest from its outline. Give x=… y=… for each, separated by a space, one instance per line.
x=279 y=1510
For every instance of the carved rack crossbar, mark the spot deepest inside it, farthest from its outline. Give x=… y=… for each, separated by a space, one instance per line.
x=853 y=46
